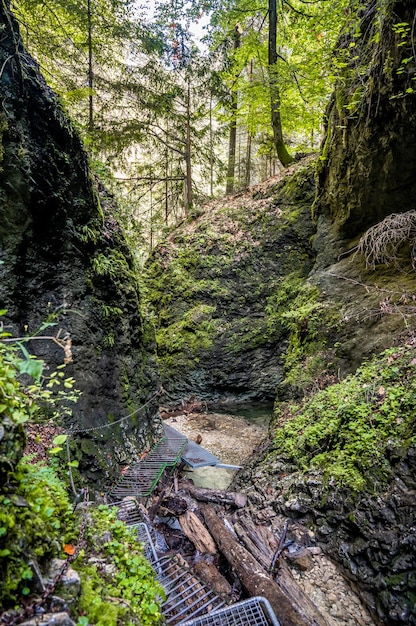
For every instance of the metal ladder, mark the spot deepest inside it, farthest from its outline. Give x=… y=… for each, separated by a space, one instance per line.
x=191 y=602
x=140 y=479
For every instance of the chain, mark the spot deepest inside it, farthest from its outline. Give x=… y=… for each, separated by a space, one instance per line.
x=12 y=619
x=119 y=421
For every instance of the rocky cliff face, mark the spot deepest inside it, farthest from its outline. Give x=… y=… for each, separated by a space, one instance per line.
x=242 y=313
x=368 y=158
x=279 y=310
x=65 y=260
x=216 y=286
x=342 y=464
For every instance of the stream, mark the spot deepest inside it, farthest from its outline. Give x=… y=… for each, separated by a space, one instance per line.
x=232 y=436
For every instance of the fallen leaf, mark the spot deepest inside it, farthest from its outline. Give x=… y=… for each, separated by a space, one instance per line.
x=68 y=549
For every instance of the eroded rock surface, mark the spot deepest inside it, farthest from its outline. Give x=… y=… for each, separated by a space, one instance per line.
x=65 y=261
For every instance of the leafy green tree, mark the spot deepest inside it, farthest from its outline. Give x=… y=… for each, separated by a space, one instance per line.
x=284 y=66
x=275 y=97
x=86 y=49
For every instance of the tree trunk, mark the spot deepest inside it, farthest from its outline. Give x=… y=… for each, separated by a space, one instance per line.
x=188 y=164
x=281 y=150
x=210 y=575
x=211 y=152
x=233 y=126
x=196 y=532
x=218 y=496
x=251 y=574
x=90 y=73
x=247 y=172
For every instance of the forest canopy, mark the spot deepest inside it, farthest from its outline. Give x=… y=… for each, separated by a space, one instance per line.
x=180 y=101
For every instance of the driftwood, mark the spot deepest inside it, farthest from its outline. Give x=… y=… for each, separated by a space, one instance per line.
x=291 y=588
x=210 y=575
x=217 y=496
x=259 y=541
x=251 y=546
x=255 y=579
x=279 y=549
x=267 y=549
x=196 y=532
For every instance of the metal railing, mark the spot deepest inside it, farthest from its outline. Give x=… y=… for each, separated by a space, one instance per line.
x=189 y=601
x=140 y=479
x=253 y=612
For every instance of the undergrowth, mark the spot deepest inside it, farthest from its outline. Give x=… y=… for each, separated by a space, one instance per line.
x=37 y=522
x=118 y=584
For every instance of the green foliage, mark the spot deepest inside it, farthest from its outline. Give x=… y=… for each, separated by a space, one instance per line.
x=113 y=265
x=189 y=335
x=297 y=308
x=26 y=391
x=35 y=521
x=127 y=590
x=306 y=36
x=353 y=430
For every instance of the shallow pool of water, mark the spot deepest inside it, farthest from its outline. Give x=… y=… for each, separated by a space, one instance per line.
x=232 y=438
x=259 y=414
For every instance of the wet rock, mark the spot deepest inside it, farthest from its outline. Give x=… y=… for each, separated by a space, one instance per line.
x=370 y=537
x=69 y=585
x=56 y=249
x=302 y=559
x=50 y=619
x=213 y=296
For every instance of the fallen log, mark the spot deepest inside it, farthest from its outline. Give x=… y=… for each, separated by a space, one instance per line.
x=255 y=535
x=251 y=546
x=210 y=575
x=254 y=578
x=196 y=532
x=217 y=496
x=290 y=587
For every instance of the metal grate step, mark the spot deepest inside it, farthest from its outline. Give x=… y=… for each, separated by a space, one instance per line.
x=189 y=601
x=144 y=536
x=128 y=511
x=186 y=595
x=140 y=479
x=253 y=612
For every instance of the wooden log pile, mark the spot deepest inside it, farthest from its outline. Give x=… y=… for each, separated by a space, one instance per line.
x=230 y=552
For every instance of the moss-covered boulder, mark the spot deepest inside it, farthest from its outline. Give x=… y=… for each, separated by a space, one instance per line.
x=342 y=463
x=219 y=284
x=65 y=261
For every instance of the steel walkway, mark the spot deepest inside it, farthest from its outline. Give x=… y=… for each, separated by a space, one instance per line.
x=140 y=479
x=190 y=602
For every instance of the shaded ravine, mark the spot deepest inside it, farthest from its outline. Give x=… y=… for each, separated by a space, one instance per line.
x=234 y=440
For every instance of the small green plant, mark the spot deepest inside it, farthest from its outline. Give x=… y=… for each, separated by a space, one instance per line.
x=125 y=589
x=297 y=309
x=113 y=265
x=37 y=519
x=35 y=522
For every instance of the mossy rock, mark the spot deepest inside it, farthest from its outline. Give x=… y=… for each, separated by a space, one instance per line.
x=211 y=282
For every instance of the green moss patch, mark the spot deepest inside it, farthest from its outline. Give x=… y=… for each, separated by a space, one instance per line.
x=354 y=430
